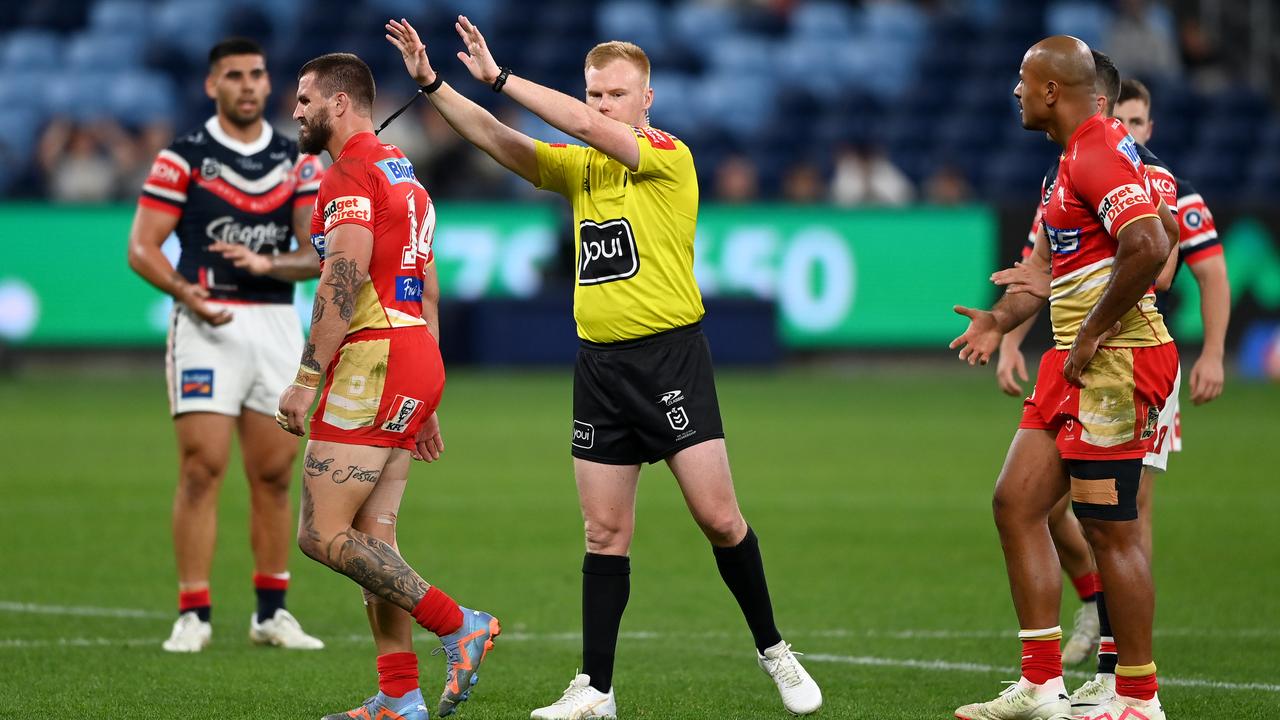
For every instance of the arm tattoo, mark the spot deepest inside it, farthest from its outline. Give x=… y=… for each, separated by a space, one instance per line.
x=377 y=567
x=314 y=466
x=309 y=358
x=359 y=474
x=345 y=282
x=317 y=310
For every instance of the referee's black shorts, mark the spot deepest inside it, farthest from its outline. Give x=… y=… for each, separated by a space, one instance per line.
x=644 y=400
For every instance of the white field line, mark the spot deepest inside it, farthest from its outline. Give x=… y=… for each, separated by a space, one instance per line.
x=81 y=610
x=518 y=636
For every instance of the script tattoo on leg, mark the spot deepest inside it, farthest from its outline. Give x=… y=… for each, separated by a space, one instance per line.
x=314 y=466
x=359 y=474
x=377 y=567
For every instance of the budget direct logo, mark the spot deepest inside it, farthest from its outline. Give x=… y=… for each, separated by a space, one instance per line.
x=197 y=383
x=347 y=207
x=607 y=252
x=1118 y=201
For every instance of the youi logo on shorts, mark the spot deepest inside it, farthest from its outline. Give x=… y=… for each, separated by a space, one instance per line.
x=607 y=252
x=402 y=411
x=584 y=435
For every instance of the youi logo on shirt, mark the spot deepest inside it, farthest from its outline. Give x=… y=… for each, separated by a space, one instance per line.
x=607 y=252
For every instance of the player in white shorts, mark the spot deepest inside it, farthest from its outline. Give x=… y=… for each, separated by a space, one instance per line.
x=236 y=194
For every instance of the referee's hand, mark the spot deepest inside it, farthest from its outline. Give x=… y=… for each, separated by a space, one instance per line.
x=428 y=445
x=405 y=39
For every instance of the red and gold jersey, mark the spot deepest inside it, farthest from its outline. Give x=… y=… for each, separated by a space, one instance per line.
x=373 y=185
x=1102 y=186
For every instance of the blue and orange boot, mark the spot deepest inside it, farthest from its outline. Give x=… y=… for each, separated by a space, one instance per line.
x=464 y=650
x=383 y=707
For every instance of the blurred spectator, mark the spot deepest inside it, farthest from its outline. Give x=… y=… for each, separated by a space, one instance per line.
x=151 y=139
x=737 y=180
x=804 y=184
x=948 y=186
x=84 y=163
x=1141 y=41
x=865 y=176
x=1206 y=67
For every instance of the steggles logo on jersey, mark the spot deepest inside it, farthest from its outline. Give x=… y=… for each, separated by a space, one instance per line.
x=255 y=237
x=347 y=207
x=608 y=252
x=402 y=411
x=1119 y=200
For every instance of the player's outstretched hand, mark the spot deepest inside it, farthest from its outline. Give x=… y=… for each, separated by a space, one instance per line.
x=194 y=296
x=295 y=402
x=1022 y=279
x=242 y=257
x=980 y=339
x=405 y=39
x=1206 y=379
x=477 y=58
x=429 y=444
x=1011 y=363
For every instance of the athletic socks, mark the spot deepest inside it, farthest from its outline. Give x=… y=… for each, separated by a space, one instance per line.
x=1087 y=586
x=1041 y=654
x=397 y=674
x=438 y=613
x=742 y=569
x=270 y=589
x=1137 y=681
x=606 y=586
x=1107 y=646
x=196 y=601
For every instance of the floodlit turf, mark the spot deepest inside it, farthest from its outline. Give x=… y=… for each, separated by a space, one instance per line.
x=869 y=490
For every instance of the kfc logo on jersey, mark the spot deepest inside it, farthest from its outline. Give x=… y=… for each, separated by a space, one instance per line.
x=402 y=410
x=607 y=252
x=255 y=237
x=347 y=207
x=408 y=288
x=1118 y=201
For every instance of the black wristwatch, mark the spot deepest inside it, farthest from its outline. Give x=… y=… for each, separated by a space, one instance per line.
x=433 y=86
x=503 y=73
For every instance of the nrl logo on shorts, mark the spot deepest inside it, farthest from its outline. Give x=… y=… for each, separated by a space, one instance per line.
x=210 y=169
x=678 y=418
x=1153 y=419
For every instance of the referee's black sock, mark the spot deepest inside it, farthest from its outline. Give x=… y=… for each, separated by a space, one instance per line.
x=742 y=569
x=606 y=585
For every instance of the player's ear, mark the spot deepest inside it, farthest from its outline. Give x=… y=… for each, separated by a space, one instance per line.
x=341 y=102
x=648 y=98
x=1051 y=92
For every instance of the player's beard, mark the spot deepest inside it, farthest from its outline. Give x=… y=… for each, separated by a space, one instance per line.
x=313 y=135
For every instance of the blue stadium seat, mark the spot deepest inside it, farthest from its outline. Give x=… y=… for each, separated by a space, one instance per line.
x=67 y=95
x=896 y=21
x=1082 y=18
x=638 y=21
x=699 y=27
x=822 y=20
x=722 y=104
x=746 y=56
x=795 y=66
x=191 y=26
x=25 y=91
x=672 y=101
x=18 y=130
x=1213 y=174
x=138 y=98
x=32 y=50
x=103 y=52
x=119 y=16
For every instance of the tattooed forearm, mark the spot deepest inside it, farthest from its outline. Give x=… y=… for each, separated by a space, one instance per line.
x=353 y=472
x=317 y=310
x=309 y=358
x=377 y=567
x=314 y=466
x=345 y=281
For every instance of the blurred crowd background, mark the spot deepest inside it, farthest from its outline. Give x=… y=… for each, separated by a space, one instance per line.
x=879 y=102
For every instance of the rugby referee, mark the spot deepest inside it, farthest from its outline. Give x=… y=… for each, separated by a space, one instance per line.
x=643 y=387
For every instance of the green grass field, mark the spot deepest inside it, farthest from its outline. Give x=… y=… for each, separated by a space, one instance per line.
x=869 y=489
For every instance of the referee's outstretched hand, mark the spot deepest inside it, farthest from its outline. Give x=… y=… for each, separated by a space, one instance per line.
x=477 y=58
x=405 y=39
x=980 y=339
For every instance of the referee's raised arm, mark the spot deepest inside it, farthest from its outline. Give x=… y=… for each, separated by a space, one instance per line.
x=511 y=148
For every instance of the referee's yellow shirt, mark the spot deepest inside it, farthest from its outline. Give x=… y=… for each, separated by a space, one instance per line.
x=633 y=235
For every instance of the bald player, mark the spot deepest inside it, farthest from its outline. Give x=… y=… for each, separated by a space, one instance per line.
x=1097 y=398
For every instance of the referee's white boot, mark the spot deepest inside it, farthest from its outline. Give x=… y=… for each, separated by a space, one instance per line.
x=190 y=634
x=800 y=694
x=580 y=701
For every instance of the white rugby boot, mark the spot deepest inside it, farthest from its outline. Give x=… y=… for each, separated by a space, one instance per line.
x=1023 y=701
x=190 y=634
x=1086 y=632
x=1127 y=708
x=800 y=694
x=1093 y=694
x=281 y=630
x=580 y=701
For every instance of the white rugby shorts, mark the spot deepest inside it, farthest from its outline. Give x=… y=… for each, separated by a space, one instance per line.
x=1168 y=430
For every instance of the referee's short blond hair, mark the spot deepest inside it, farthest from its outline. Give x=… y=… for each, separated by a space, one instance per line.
x=607 y=52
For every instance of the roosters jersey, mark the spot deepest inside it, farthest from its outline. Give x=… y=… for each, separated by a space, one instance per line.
x=226 y=190
x=1101 y=187
x=373 y=185
x=1197 y=234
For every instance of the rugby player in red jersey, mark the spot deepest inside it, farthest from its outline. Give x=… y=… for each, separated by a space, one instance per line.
x=1093 y=414
x=373 y=350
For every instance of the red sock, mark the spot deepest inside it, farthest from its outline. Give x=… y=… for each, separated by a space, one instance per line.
x=438 y=613
x=192 y=599
x=397 y=673
x=1041 y=660
x=265 y=581
x=1142 y=688
x=1087 y=586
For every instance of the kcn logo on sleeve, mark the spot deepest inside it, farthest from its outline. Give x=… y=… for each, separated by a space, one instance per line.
x=1118 y=201
x=347 y=207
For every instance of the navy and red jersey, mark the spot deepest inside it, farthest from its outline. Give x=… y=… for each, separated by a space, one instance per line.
x=1163 y=186
x=373 y=185
x=1102 y=185
x=226 y=190
x=1197 y=234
